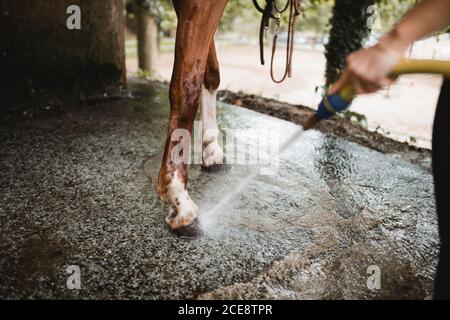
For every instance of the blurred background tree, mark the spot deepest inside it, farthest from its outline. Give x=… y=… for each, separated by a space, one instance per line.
x=351 y=25
x=348 y=30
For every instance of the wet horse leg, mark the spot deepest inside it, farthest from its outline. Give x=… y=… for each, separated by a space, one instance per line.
x=197 y=23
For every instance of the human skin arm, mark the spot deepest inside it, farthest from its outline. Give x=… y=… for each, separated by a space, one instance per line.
x=367 y=70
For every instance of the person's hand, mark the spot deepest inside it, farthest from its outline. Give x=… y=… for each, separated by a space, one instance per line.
x=368 y=70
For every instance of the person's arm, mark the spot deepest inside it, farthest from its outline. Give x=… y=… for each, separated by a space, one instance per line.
x=368 y=69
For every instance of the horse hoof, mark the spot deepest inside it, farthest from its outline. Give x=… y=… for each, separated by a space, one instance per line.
x=191 y=230
x=214 y=167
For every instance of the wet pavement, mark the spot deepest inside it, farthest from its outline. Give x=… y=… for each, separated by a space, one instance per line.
x=77 y=186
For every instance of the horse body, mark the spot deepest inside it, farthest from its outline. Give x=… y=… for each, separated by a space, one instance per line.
x=195 y=79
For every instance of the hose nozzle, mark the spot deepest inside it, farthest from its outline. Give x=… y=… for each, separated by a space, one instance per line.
x=338 y=102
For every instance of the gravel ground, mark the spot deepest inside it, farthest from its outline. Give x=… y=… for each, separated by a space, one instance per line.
x=77 y=185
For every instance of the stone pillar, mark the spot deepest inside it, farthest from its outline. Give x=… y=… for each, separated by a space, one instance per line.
x=147 y=35
x=40 y=43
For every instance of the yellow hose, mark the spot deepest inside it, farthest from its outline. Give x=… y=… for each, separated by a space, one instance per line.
x=408 y=66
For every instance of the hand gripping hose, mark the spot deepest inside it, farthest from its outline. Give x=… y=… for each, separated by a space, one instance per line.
x=340 y=101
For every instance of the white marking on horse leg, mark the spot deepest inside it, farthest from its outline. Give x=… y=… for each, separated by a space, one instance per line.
x=212 y=151
x=182 y=210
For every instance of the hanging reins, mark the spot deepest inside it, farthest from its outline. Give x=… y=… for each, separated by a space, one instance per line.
x=272 y=11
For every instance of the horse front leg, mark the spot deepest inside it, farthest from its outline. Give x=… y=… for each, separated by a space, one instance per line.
x=197 y=23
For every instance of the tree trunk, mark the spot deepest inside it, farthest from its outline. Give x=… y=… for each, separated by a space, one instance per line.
x=348 y=31
x=147 y=34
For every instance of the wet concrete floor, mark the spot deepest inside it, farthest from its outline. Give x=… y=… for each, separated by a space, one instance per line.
x=77 y=188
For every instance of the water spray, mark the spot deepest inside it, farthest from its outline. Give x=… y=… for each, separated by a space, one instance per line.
x=329 y=106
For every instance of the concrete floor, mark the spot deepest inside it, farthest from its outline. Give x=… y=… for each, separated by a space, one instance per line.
x=77 y=186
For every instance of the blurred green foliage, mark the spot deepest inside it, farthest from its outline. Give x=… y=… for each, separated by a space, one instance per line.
x=238 y=8
x=315 y=15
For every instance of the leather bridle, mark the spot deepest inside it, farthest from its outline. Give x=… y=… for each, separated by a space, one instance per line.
x=272 y=11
